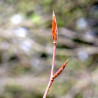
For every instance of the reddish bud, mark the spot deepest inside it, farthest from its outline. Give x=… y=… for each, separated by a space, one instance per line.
x=60 y=70
x=54 y=28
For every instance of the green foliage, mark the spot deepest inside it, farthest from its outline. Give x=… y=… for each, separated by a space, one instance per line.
x=36 y=19
x=79 y=95
x=20 y=69
x=16 y=91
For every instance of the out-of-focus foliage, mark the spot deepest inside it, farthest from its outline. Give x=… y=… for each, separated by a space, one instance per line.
x=26 y=48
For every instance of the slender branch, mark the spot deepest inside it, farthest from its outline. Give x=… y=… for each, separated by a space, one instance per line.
x=52 y=75
x=53 y=59
x=52 y=71
x=54 y=36
x=48 y=87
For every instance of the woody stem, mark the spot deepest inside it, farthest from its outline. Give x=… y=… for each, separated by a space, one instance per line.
x=52 y=71
x=53 y=59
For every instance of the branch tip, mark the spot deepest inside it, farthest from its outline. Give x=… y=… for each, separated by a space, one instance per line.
x=53 y=13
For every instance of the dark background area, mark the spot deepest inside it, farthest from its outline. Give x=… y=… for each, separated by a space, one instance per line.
x=26 y=48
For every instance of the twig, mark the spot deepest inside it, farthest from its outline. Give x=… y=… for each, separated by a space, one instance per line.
x=53 y=59
x=52 y=75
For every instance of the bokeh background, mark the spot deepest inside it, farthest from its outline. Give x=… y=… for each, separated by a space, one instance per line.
x=26 y=48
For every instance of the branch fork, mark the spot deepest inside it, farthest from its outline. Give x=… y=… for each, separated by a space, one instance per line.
x=52 y=75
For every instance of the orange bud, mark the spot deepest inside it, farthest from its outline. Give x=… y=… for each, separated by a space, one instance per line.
x=54 y=28
x=60 y=70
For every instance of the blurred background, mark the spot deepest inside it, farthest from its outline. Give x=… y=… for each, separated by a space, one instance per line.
x=26 y=48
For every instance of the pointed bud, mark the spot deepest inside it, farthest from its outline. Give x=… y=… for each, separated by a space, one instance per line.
x=54 y=28
x=60 y=70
